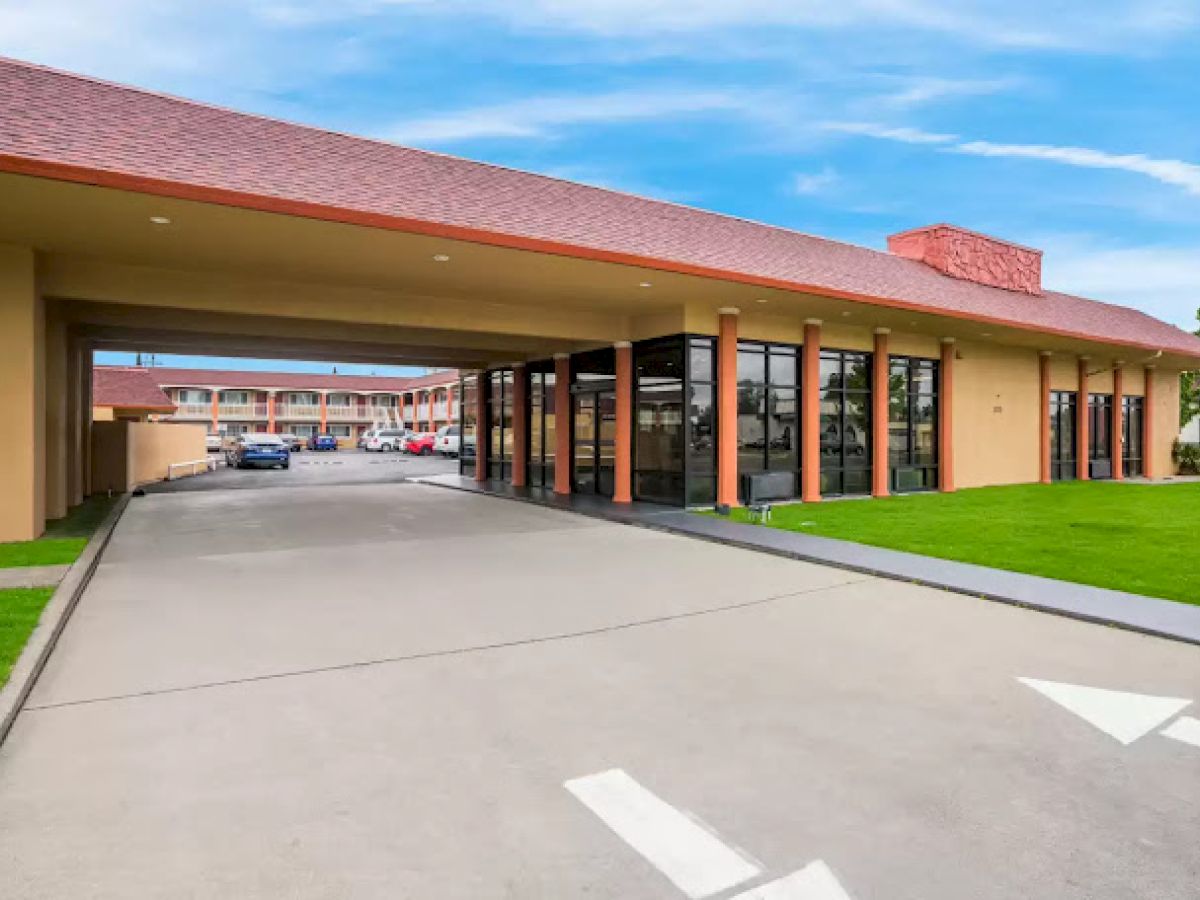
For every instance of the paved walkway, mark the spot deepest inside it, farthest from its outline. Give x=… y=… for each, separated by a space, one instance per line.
x=32 y=576
x=1150 y=615
x=396 y=691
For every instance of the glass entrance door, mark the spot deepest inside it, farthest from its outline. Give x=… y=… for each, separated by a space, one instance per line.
x=595 y=418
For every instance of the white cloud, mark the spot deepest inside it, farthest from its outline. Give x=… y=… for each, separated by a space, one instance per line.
x=1169 y=171
x=903 y=133
x=921 y=91
x=807 y=184
x=540 y=117
x=1174 y=172
x=1163 y=281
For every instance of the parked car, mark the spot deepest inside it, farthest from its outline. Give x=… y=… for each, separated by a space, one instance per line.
x=254 y=450
x=447 y=440
x=293 y=441
x=467 y=447
x=322 y=442
x=385 y=440
x=212 y=443
x=361 y=443
x=420 y=444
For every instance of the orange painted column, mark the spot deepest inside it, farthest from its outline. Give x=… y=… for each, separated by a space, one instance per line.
x=562 y=423
x=271 y=412
x=880 y=397
x=946 y=418
x=727 y=461
x=520 y=425
x=810 y=413
x=400 y=409
x=1148 y=468
x=1081 y=423
x=429 y=398
x=1118 y=424
x=482 y=385
x=216 y=411
x=324 y=412
x=623 y=445
x=1044 y=442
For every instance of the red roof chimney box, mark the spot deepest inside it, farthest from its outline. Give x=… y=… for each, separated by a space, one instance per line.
x=972 y=257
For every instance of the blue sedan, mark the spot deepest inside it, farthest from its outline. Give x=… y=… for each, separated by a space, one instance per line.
x=254 y=450
x=322 y=442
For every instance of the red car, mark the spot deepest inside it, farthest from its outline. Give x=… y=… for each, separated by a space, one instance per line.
x=420 y=444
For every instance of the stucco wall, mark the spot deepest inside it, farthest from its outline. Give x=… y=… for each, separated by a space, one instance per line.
x=997 y=421
x=126 y=454
x=154 y=445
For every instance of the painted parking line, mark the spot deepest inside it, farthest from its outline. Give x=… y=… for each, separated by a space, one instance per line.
x=814 y=882
x=1119 y=714
x=691 y=856
x=1186 y=729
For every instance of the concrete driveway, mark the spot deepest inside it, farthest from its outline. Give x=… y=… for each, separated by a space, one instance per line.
x=400 y=691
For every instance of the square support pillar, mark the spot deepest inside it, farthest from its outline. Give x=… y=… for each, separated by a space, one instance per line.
x=1044 y=420
x=1081 y=423
x=22 y=396
x=946 y=417
x=270 y=412
x=75 y=455
x=216 y=411
x=57 y=426
x=880 y=395
x=324 y=413
x=810 y=413
x=623 y=445
x=483 y=384
x=727 y=460
x=1118 y=424
x=562 y=423
x=88 y=372
x=1148 y=467
x=520 y=425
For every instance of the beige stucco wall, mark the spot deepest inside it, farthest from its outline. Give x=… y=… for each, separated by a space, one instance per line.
x=1166 y=420
x=997 y=421
x=102 y=414
x=155 y=445
x=126 y=454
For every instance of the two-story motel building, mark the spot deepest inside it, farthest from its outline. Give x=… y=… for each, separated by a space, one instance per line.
x=233 y=402
x=617 y=345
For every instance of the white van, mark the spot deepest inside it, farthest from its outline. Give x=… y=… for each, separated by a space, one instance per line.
x=385 y=440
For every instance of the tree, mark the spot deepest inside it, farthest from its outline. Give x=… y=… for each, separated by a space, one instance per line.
x=1189 y=391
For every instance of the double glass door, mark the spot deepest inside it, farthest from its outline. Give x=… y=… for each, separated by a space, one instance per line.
x=594 y=413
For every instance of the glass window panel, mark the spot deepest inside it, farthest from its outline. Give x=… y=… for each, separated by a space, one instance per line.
x=659 y=439
x=751 y=430
x=783 y=430
x=701 y=356
x=783 y=367
x=751 y=365
x=702 y=430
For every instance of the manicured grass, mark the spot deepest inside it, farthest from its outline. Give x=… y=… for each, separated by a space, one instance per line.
x=1138 y=538
x=20 y=609
x=64 y=539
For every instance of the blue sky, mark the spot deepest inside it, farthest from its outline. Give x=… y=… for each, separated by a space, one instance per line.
x=1069 y=126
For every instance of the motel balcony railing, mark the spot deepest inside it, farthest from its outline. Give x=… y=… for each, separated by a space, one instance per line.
x=297 y=411
x=193 y=411
x=242 y=410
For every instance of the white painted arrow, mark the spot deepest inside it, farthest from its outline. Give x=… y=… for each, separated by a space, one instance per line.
x=814 y=882
x=1185 y=729
x=1119 y=714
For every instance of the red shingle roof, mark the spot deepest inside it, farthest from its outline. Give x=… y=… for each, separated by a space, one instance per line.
x=68 y=126
x=128 y=388
x=298 y=381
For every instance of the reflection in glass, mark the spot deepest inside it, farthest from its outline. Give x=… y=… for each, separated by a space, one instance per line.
x=845 y=421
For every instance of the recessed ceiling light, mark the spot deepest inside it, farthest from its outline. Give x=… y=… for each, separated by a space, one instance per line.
x=847 y=313
x=985 y=334
x=160 y=220
x=645 y=284
x=761 y=300
x=441 y=257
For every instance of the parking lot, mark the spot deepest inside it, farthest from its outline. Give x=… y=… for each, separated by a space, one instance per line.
x=394 y=690
x=309 y=467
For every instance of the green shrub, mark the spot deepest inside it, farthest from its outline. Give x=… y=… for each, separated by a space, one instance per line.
x=1187 y=458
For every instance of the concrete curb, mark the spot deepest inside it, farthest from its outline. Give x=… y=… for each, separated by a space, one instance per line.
x=1151 y=616
x=54 y=619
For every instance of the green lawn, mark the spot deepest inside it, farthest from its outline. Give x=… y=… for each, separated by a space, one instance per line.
x=1138 y=538
x=20 y=609
x=64 y=539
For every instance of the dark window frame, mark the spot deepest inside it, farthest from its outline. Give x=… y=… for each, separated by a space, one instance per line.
x=843 y=394
x=1063 y=465
x=777 y=381
x=1100 y=424
x=1133 y=419
x=928 y=473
